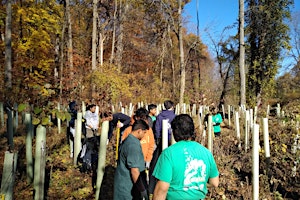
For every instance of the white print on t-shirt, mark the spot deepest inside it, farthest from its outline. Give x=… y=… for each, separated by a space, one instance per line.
x=192 y=179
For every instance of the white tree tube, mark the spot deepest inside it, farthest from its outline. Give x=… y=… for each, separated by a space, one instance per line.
x=266 y=137
x=77 y=138
x=255 y=162
x=165 y=128
x=237 y=128
x=210 y=132
x=101 y=157
x=247 y=119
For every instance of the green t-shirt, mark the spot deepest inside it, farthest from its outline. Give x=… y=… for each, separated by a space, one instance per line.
x=217 y=118
x=130 y=156
x=186 y=166
x=153 y=118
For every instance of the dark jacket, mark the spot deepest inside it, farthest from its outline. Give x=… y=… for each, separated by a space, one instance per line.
x=73 y=113
x=165 y=114
x=125 y=119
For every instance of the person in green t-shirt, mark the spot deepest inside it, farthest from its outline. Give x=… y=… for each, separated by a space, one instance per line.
x=216 y=120
x=128 y=183
x=184 y=168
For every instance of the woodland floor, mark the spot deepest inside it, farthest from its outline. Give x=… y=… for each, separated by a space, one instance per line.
x=65 y=181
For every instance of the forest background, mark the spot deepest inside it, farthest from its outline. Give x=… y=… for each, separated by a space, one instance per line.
x=131 y=51
x=105 y=52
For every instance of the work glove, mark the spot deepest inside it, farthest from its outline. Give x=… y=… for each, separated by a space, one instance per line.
x=147 y=165
x=144 y=195
x=120 y=125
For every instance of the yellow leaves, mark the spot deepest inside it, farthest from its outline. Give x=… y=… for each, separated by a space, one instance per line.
x=283 y=148
x=35 y=121
x=46 y=121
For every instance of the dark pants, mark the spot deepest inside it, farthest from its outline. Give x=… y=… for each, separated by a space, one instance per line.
x=136 y=194
x=152 y=179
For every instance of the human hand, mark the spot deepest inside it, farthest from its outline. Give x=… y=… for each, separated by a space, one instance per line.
x=147 y=165
x=120 y=124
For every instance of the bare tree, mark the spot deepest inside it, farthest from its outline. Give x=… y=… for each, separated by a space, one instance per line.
x=8 y=51
x=94 y=35
x=120 y=44
x=182 y=64
x=112 y=55
x=70 y=39
x=242 y=53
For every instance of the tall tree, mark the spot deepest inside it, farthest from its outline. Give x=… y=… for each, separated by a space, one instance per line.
x=181 y=55
x=8 y=51
x=242 y=54
x=120 y=44
x=112 y=55
x=70 y=39
x=267 y=36
x=94 y=35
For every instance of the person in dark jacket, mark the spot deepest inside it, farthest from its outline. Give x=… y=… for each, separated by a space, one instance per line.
x=167 y=114
x=118 y=120
x=71 y=129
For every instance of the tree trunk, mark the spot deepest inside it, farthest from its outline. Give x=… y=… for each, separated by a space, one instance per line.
x=61 y=59
x=70 y=40
x=113 y=40
x=94 y=36
x=120 y=45
x=182 y=66
x=242 y=54
x=101 y=41
x=8 y=51
x=101 y=47
x=172 y=62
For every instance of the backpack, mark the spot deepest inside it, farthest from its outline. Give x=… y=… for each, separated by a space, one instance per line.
x=88 y=156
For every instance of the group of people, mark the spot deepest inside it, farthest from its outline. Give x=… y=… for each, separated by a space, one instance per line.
x=181 y=171
x=144 y=170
